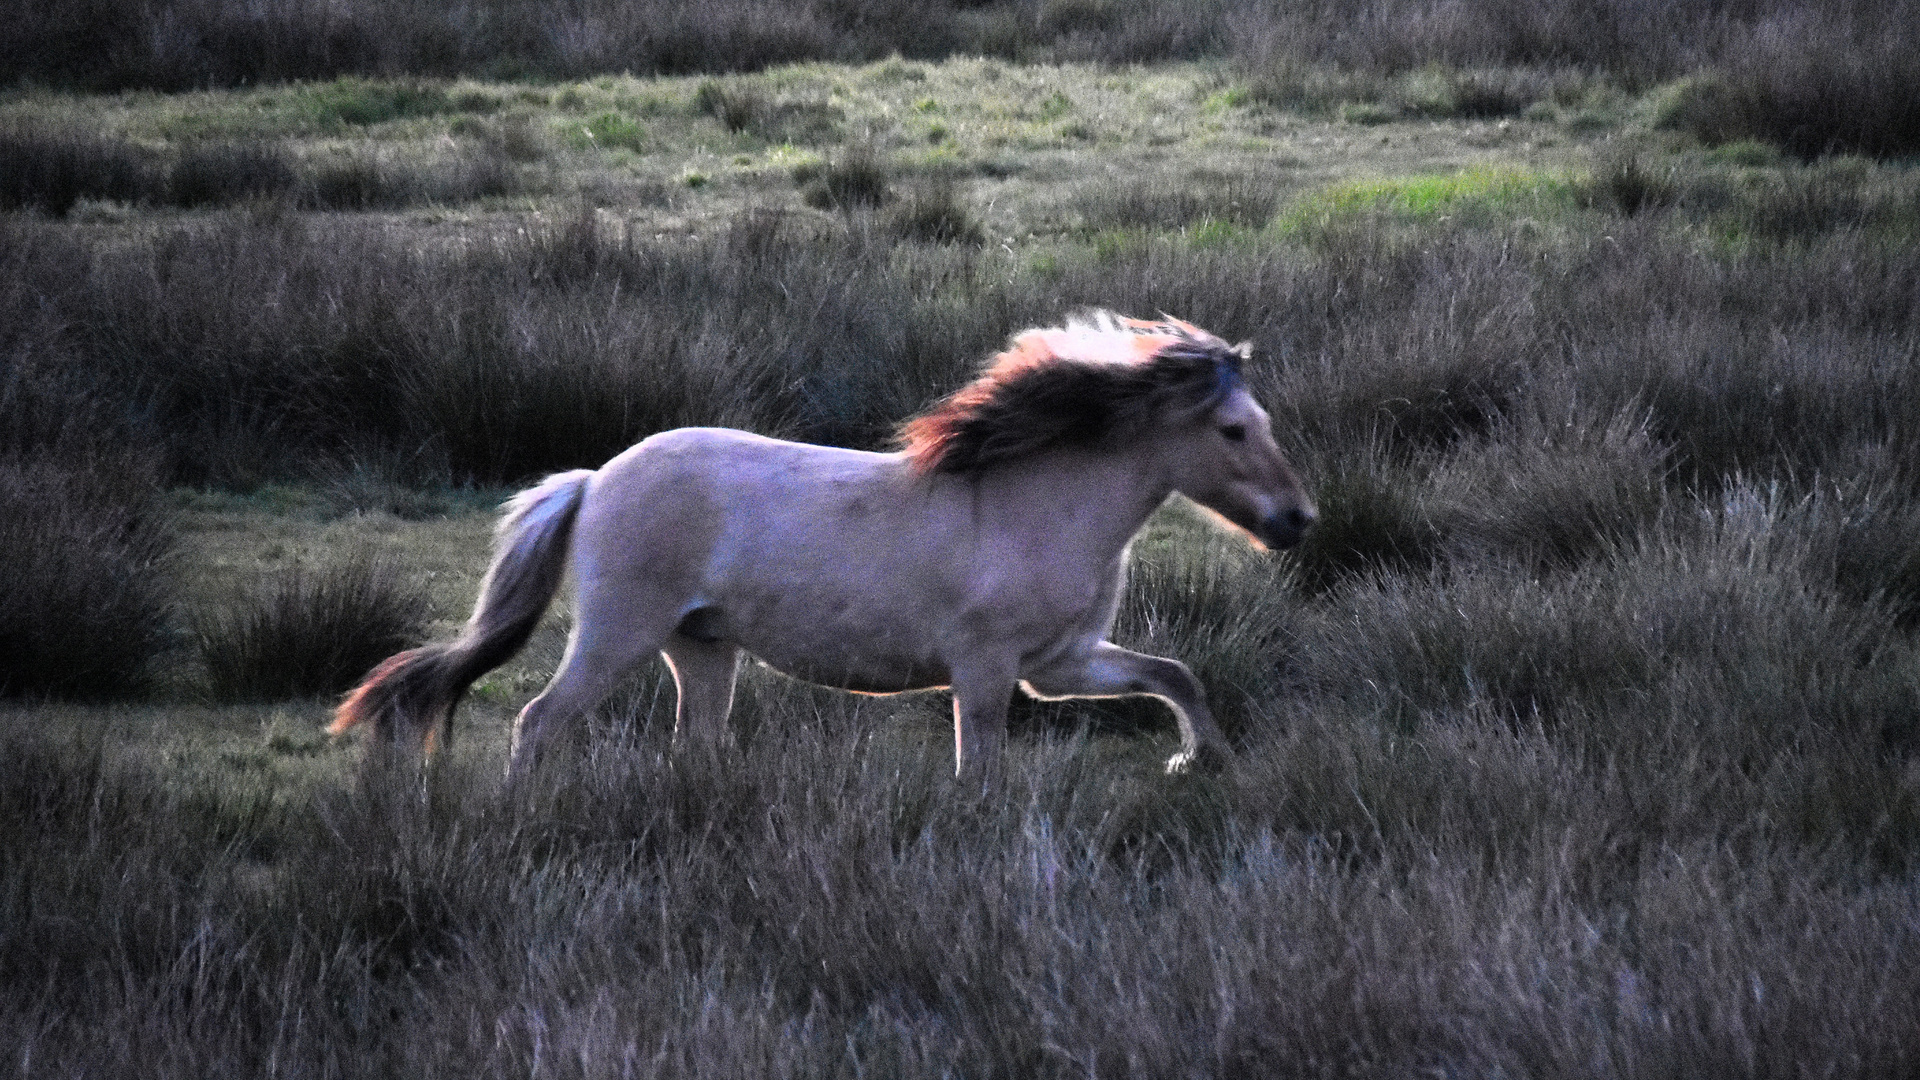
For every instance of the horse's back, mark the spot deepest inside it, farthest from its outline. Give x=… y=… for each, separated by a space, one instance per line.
x=756 y=482
x=829 y=563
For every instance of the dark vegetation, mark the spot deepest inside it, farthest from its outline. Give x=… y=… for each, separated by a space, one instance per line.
x=313 y=631
x=1810 y=78
x=85 y=598
x=52 y=171
x=1581 y=739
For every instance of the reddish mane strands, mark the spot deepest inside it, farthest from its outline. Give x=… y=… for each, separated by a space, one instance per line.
x=1098 y=378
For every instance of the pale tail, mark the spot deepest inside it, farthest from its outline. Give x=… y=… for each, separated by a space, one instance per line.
x=417 y=689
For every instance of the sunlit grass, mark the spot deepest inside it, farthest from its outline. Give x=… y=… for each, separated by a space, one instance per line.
x=1581 y=730
x=1478 y=195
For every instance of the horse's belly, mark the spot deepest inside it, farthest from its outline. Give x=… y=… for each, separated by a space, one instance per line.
x=865 y=676
x=825 y=624
x=844 y=657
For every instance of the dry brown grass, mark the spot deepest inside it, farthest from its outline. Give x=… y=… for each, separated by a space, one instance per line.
x=1579 y=741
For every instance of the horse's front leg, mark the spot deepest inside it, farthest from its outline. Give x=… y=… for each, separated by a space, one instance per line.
x=981 y=691
x=1111 y=671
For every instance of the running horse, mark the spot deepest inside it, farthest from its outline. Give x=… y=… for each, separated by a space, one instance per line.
x=988 y=552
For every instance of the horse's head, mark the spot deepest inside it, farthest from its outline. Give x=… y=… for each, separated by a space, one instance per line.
x=1105 y=381
x=1224 y=457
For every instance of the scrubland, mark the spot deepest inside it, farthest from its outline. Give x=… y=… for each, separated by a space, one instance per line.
x=1581 y=739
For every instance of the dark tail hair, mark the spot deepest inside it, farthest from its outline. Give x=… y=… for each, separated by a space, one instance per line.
x=414 y=690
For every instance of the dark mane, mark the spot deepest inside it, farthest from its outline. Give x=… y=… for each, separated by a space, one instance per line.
x=1099 y=379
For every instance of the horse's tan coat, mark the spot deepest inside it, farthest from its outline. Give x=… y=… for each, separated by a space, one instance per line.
x=848 y=569
x=1000 y=566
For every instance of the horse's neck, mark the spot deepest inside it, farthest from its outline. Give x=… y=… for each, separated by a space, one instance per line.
x=1096 y=501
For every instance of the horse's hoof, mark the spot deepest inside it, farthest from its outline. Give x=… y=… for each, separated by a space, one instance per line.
x=1205 y=760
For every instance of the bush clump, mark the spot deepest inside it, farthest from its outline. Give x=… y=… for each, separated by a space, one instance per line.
x=854 y=179
x=84 y=594
x=936 y=214
x=50 y=171
x=1808 y=86
x=224 y=173
x=314 y=631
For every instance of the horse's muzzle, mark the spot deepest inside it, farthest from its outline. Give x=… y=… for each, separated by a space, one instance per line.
x=1286 y=527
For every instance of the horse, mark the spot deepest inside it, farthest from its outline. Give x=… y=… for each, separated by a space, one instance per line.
x=987 y=552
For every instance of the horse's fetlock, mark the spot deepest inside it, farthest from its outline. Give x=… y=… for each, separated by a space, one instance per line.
x=1207 y=759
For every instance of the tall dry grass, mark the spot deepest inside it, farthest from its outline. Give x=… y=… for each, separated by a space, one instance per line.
x=1815 y=78
x=1579 y=741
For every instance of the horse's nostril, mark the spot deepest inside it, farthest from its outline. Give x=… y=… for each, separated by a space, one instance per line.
x=1299 y=518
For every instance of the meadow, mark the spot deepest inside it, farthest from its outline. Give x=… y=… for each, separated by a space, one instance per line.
x=1582 y=738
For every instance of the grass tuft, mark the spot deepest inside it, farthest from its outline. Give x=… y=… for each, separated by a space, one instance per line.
x=612 y=131
x=1178 y=203
x=855 y=178
x=365 y=102
x=935 y=213
x=85 y=594
x=222 y=174
x=314 y=631
x=1628 y=185
x=50 y=171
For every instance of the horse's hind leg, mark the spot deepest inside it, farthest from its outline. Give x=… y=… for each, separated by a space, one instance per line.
x=594 y=661
x=703 y=672
x=1111 y=671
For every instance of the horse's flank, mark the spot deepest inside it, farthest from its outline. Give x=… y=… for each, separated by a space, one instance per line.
x=987 y=553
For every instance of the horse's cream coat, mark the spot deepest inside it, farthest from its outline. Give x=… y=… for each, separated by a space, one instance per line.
x=854 y=570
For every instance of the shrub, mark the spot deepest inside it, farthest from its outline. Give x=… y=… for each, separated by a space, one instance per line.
x=313 y=631
x=356 y=182
x=1488 y=93
x=85 y=594
x=52 y=170
x=735 y=106
x=225 y=173
x=1810 y=85
x=1625 y=184
x=935 y=213
x=1289 y=81
x=520 y=140
x=855 y=178
x=363 y=181
x=1178 y=202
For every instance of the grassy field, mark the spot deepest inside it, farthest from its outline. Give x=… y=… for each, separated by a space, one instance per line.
x=1581 y=739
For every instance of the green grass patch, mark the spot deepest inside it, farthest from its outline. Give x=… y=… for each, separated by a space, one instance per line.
x=364 y=103
x=612 y=131
x=1480 y=195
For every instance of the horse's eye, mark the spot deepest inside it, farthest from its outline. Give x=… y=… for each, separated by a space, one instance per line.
x=1234 y=432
